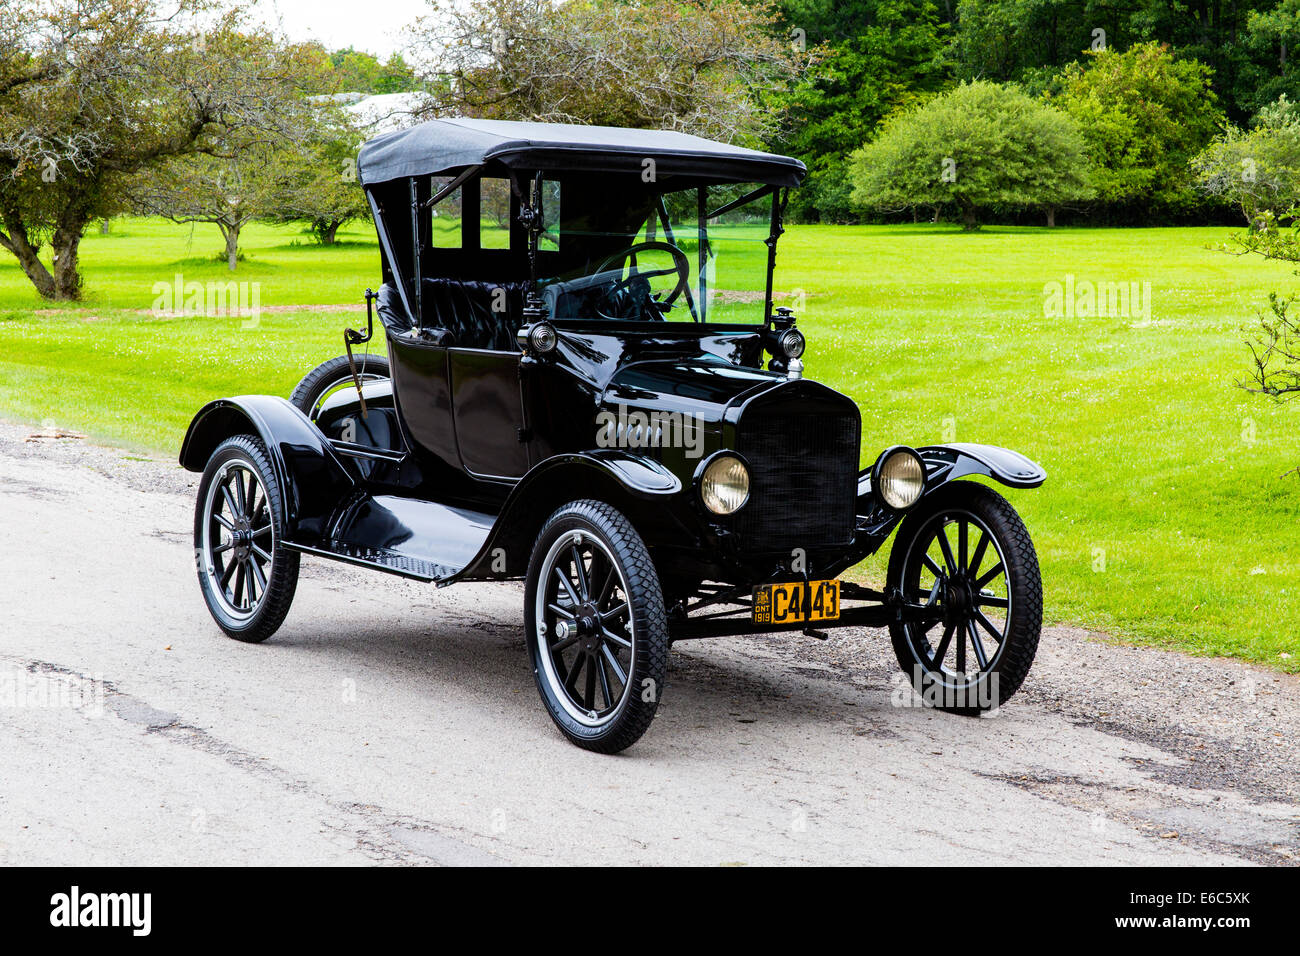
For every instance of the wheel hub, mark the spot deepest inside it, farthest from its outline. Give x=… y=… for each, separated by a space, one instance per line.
x=958 y=599
x=242 y=538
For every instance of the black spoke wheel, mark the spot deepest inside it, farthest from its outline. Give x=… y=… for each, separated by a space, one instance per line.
x=247 y=577
x=333 y=376
x=967 y=569
x=597 y=633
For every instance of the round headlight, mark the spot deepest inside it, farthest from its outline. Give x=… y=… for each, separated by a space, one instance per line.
x=792 y=343
x=724 y=486
x=542 y=338
x=900 y=479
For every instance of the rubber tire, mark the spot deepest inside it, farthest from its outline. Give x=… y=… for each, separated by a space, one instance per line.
x=314 y=384
x=1024 y=580
x=283 y=582
x=600 y=520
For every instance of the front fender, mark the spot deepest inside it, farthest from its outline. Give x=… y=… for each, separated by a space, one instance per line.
x=945 y=463
x=630 y=482
x=313 y=479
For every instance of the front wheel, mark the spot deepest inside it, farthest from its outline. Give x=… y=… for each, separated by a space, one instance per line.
x=597 y=633
x=966 y=555
x=247 y=575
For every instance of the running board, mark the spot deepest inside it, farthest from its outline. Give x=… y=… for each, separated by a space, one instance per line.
x=416 y=539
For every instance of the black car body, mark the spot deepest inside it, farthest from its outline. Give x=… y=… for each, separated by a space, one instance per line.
x=532 y=390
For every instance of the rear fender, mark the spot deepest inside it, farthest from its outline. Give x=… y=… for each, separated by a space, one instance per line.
x=313 y=478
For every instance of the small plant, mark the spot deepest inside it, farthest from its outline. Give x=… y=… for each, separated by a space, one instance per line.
x=1275 y=342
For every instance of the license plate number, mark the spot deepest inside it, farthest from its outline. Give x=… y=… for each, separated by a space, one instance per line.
x=785 y=603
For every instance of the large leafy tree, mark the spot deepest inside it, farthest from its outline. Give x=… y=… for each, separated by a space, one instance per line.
x=227 y=190
x=979 y=145
x=1244 y=43
x=361 y=72
x=873 y=57
x=1144 y=114
x=1258 y=169
x=712 y=67
x=1272 y=37
x=93 y=92
x=315 y=181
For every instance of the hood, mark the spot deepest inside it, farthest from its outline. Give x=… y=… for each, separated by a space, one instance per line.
x=706 y=388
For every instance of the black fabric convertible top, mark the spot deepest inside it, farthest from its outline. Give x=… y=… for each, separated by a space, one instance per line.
x=441 y=145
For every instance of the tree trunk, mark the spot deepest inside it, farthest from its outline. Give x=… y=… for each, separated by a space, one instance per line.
x=328 y=231
x=1051 y=217
x=231 y=231
x=103 y=227
x=916 y=214
x=31 y=263
x=66 y=246
x=968 y=219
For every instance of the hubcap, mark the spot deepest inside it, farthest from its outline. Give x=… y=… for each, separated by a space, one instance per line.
x=954 y=568
x=586 y=633
x=238 y=539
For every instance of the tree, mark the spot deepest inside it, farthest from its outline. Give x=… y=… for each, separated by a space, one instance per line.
x=1259 y=170
x=93 y=92
x=227 y=191
x=316 y=181
x=1002 y=40
x=361 y=72
x=711 y=67
x=1275 y=342
x=873 y=57
x=1243 y=43
x=1144 y=115
x=979 y=145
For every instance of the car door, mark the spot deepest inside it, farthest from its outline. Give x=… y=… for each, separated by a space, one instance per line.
x=488 y=412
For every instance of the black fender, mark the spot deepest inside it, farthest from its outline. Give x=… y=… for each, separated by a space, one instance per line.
x=313 y=478
x=637 y=485
x=945 y=463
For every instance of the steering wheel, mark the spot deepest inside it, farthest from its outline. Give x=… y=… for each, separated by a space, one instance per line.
x=636 y=282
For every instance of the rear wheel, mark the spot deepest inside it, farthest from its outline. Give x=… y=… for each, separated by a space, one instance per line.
x=968 y=556
x=329 y=377
x=247 y=576
x=597 y=634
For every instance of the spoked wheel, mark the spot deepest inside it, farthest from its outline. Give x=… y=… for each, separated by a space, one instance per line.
x=597 y=634
x=329 y=377
x=967 y=557
x=247 y=577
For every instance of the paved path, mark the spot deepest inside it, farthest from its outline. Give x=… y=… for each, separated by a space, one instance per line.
x=389 y=722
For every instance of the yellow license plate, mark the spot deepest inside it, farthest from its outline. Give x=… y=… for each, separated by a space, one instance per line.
x=785 y=603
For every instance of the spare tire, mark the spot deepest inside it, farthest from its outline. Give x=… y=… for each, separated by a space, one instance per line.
x=327 y=378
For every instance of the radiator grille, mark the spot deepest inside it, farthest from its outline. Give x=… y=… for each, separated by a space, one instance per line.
x=803 y=480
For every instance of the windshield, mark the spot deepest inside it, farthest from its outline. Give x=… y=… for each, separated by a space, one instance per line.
x=611 y=247
x=695 y=255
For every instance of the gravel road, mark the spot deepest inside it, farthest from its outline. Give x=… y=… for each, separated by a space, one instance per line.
x=389 y=722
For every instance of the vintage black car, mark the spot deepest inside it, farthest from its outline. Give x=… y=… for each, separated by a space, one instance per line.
x=590 y=386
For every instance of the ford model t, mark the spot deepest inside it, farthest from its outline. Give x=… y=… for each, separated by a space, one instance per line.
x=591 y=386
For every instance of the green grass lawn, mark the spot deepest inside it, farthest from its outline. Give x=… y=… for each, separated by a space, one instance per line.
x=1164 y=520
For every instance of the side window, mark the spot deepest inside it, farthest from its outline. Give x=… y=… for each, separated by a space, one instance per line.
x=494 y=213
x=446 y=226
x=550 y=238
